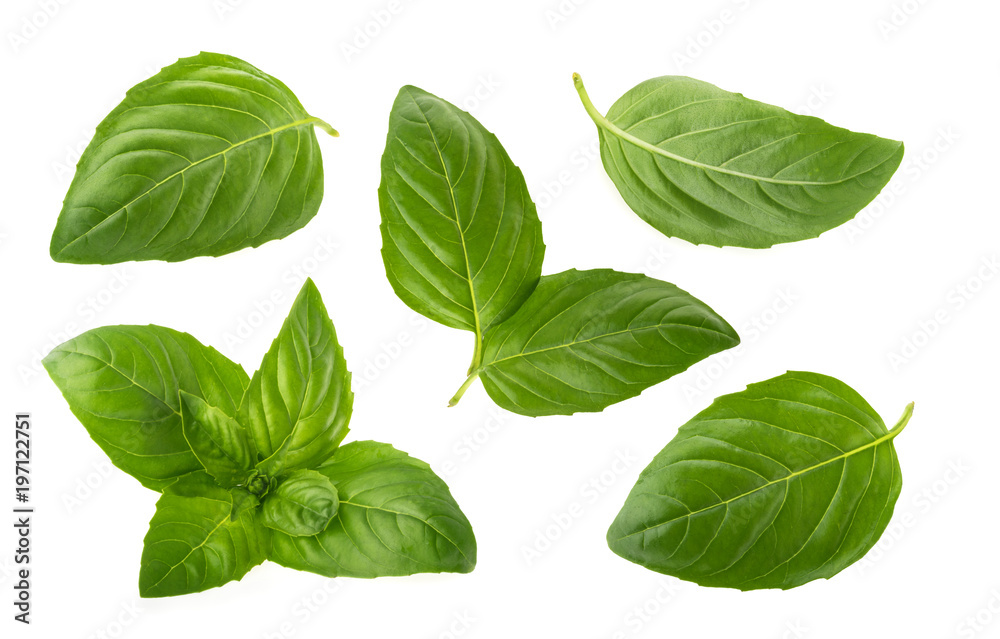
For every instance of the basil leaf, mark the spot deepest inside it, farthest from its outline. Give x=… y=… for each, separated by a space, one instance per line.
x=243 y=500
x=461 y=240
x=193 y=544
x=216 y=439
x=122 y=383
x=208 y=156
x=587 y=339
x=396 y=517
x=790 y=480
x=712 y=167
x=298 y=406
x=303 y=504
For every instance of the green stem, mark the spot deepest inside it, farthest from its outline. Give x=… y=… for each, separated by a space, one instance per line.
x=903 y=420
x=326 y=127
x=465 y=386
x=477 y=355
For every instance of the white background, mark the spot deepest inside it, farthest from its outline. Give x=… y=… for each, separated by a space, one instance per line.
x=923 y=72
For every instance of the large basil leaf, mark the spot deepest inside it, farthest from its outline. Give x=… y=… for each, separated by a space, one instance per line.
x=712 y=167
x=193 y=544
x=303 y=504
x=587 y=339
x=790 y=480
x=461 y=241
x=299 y=402
x=122 y=383
x=208 y=156
x=396 y=517
x=217 y=440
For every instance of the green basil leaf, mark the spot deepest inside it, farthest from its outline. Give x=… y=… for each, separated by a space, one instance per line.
x=587 y=339
x=303 y=504
x=243 y=500
x=298 y=406
x=193 y=544
x=122 y=383
x=461 y=240
x=790 y=480
x=217 y=440
x=208 y=156
x=712 y=167
x=396 y=517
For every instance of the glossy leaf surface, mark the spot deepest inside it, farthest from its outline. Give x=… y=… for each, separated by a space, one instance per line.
x=790 y=480
x=396 y=517
x=303 y=504
x=122 y=383
x=587 y=339
x=208 y=156
x=298 y=406
x=216 y=439
x=713 y=167
x=461 y=241
x=193 y=544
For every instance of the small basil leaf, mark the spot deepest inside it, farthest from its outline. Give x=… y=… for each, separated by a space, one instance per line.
x=243 y=500
x=712 y=167
x=196 y=484
x=396 y=517
x=208 y=156
x=790 y=480
x=193 y=544
x=298 y=405
x=122 y=383
x=461 y=241
x=587 y=339
x=216 y=439
x=303 y=504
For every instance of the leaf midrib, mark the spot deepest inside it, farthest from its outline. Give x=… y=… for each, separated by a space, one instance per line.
x=889 y=436
x=597 y=337
x=606 y=124
x=458 y=227
x=271 y=132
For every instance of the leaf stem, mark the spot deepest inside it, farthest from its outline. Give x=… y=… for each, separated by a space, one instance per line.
x=597 y=116
x=903 y=420
x=326 y=127
x=465 y=386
